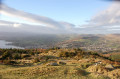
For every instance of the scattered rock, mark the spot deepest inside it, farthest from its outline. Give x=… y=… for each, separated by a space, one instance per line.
x=97 y=63
x=109 y=66
x=62 y=63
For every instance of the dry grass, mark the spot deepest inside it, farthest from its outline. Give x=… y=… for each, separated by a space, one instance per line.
x=74 y=69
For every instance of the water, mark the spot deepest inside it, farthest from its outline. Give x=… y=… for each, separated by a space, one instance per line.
x=4 y=45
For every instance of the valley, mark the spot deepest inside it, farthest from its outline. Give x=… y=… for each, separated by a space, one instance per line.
x=99 y=43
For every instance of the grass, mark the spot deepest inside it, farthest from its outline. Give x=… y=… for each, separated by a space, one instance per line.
x=27 y=72
x=115 y=57
x=45 y=72
x=40 y=72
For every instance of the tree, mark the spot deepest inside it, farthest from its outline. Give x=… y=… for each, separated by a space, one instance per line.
x=6 y=55
x=16 y=56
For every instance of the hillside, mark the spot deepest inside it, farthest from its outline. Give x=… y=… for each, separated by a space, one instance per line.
x=56 y=63
x=99 y=43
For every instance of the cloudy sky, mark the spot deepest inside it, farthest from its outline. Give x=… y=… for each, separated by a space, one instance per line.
x=60 y=16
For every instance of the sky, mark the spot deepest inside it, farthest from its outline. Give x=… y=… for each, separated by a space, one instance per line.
x=60 y=16
x=73 y=11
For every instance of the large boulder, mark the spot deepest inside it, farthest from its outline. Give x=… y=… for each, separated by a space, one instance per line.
x=52 y=64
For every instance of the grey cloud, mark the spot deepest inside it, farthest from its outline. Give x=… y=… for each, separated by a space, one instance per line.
x=48 y=22
x=45 y=24
x=105 y=21
x=9 y=27
x=109 y=17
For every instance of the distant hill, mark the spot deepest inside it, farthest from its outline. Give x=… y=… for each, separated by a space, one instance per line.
x=94 y=42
